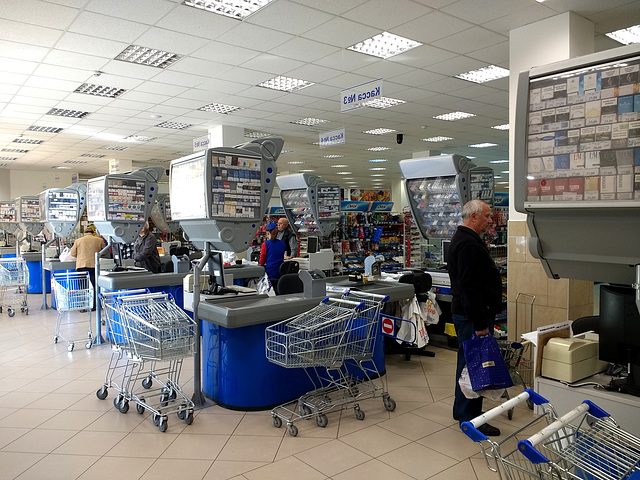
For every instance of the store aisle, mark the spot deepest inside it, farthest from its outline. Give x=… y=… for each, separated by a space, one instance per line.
x=52 y=425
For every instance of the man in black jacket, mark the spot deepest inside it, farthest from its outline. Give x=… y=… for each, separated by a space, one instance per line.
x=288 y=237
x=476 y=288
x=145 y=252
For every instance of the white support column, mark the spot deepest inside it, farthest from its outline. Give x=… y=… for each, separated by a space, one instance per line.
x=226 y=136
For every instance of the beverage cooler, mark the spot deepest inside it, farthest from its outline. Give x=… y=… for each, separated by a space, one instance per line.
x=438 y=187
x=312 y=205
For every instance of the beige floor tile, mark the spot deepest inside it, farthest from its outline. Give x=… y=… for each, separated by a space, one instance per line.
x=406 y=380
x=293 y=445
x=333 y=457
x=13 y=464
x=417 y=460
x=114 y=421
x=199 y=447
x=187 y=469
x=441 y=381
x=227 y=470
x=451 y=442
x=286 y=469
x=146 y=445
x=8 y=435
x=57 y=401
x=19 y=399
x=259 y=424
x=39 y=441
x=59 y=467
x=372 y=470
x=72 y=420
x=460 y=471
x=411 y=426
x=250 y=448
x=437 y=412
x=90 y=443
x=122 y=468
x=222 y=424
x=374 y=441
x=26 y=418
x=412 y=394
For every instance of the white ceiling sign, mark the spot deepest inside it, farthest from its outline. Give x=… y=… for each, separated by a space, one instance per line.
x=200 y=143
x=354 y=97
x=332 y=138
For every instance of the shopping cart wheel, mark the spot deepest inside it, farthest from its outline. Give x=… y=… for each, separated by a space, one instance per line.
x=124 y=406
x=322 y=420
x=163 y=424
x=26 y=310
x=172 y=394
x=306 y=411
x=0 y=309
x=102 y=393
x=11 y=312
x=70 y=347
x=510 y=413
x=55 y=339
x=164 y=399
x=140 y=408
x=189 y=418
x=156 y=419
x=293 y=430
x=87 y=345
x=359 y=413
x=277 y=422
x=117 y=400
x=389 y=404
x=146 y=383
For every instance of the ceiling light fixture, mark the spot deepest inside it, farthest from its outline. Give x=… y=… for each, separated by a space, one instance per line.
x=626 y=36
x=378 y=168
x=8 y=159
x=114 y=147
x=453 y=116
x=309 y=121
x=174 y=125
x=76 y=162
x=36 y=128
x=498 y=161
x=138 y=138
x=256 y=134
x=58 y=167
x=219 y=108
x=333 y=156
x=239 y=9
x=384 y=45
x=14 y=150
x=61 y=112
x=501 y=127
x=436 y=139
x=383 y=102
x=378 y=149
x=92 y=155
x=30 y=141
x=307 y=170
x=148 y=56
x=99 y=90
x=378 y=160
x=379 y=131
x=285 y=84
x=377 y=174
x=295 y=163
x=483 y=145
x=339 y=166
x=484 y=74
x=344 y=173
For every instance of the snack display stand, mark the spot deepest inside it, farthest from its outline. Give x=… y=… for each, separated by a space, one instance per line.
x=29 y=223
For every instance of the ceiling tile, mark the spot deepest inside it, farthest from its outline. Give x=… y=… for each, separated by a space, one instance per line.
x=386 y=15
x=284 y=15
x=110 y=28
x=39 y=13
x=303 y=49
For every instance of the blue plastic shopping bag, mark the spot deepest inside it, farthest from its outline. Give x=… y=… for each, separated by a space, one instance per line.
x=486 y=366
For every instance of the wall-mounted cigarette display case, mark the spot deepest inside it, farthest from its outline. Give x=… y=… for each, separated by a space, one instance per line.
x=161 y=214
x=312 y=205
x=8 y=221
x=61 y=208
x=438 y=187
x=119 y=204
x=577 y=164
x=219 y=195
x=28 y=214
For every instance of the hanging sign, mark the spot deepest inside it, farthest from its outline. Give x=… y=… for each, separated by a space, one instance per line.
x=332 y=138
x=356 y=97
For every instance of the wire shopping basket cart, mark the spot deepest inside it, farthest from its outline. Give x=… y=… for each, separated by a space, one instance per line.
x=585 y=444
x=520 y=368
x=14 y=279
x=74 y=293
x=325 y=341
x=151 y=336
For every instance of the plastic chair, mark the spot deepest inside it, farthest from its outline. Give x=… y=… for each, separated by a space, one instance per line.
x=289 y=283
x=289 y=266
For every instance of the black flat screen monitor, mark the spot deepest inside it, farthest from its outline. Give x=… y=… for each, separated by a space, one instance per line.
x=312 y=245
x=445 y=251
x=619 y=334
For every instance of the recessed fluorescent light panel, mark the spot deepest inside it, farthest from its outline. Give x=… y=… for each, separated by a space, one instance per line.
x=183 y=153
x=484 y=74
x=378 y=149
x=8 y=159
x=4 y=164
x=138 y=138
x=501 y=127
x=92 y=155
x=333 y=156
x=61 y=112
x=256 y=134
x=36 y=128
x=307 y=170
x=99 y=90
x=295 y=163
x=114 y=147
x=499 y=161
x=379 y=131
x=436 y=139
x=383 y=102
x=342 y=173
x=14 y=150
x=626 y=36
x=148 y=56
x=30 y=141
x=76 y=162
x=157 y=160
x=378 y=160
x=309 y=121
x=453 y=116
x=219 y=108
x=174 y=125
x=285 y=84
x=378 y=168
x=384 y=45
x=483 y=145
x=377 y=174
x=339 y=166
x=238 y=9
x=57 y=167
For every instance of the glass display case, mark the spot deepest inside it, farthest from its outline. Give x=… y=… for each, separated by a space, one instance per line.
x=577 y=164
x=312 y=205
x=28 y=214
x=61 y=208
x=437 y=187
x=8 y=223
x=119 y=204
x=219 y=195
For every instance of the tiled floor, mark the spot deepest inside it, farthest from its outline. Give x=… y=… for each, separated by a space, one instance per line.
x=52 y=425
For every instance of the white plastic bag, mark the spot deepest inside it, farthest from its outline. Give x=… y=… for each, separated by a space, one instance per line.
x=65 y=255
x=264 y=286
x=465 y=385
x=431 y=310
x=413 y=329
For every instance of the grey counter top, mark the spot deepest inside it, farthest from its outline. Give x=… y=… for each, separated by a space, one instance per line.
x=245 y=271
x=138 y=279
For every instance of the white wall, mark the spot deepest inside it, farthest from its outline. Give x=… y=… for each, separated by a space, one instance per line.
x=15 y=183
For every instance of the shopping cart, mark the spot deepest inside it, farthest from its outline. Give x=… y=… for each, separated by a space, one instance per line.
x=329 y=341
x=520 y=368
x=74 y=293
x=14 y=279
x=585 y=444
x=151 y=336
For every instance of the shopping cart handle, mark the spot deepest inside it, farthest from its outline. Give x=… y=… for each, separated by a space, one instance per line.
x=595 y=410
x=470 y=428
x=529 y=451
x=360 y=293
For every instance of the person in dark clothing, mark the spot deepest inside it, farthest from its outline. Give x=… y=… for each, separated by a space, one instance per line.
x=476 y=288
x=288 y=237
x=272 y=254
x=145 y=252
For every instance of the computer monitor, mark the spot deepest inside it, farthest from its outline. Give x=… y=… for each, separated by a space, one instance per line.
x=619 y=334
x=445 y=251
x=312 y=245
